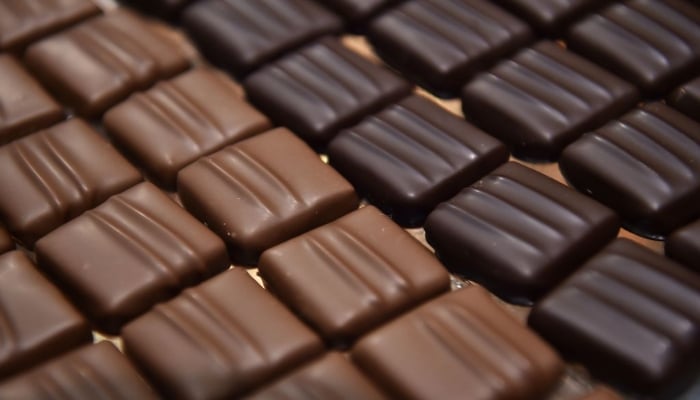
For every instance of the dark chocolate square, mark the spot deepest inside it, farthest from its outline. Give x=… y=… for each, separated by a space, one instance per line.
x=134 y=250
x=54 y=175
x=519 y=232
x=347 y=277
x=460 y=345
x=654 y=44
x=440 y=44
x=356 y=12
x=262 y=191
x=412 y=156
x=551 y=17
x=686 y=99
x=321 y=89
x=630 y=315
x=544 y=98
x=94 y=65
x=25 y=106
x=36 y=321
x=178 y=121
x=644 y=166
x=683 y=245
x=226 y=336
x=241 y=36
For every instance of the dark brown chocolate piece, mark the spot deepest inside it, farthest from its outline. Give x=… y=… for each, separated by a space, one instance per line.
x=181 y=120
x=55 y=175
x=25 y=106
x=36 y=321
x=96 y=371
x=551 y=16
x=101 y=61
x=654 y=44
x=321 y=89
x=331 y=377
x=687 y=99
x=6 y=242
x=356 y=12
x=644 y=166
x=544 y=98
x=460 y=345
x=519 y=232
x=168 y=9
x=631 y=316
x=683 y=245
x=227 y=335
x=23 y=21
x=241 y=36
x=347 y=277
x=134 y=250
x=262 y=191
x=441 y=44
x=413 y=155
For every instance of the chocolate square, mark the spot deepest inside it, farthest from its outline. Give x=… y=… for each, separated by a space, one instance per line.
x=683 y=245
x=356 y=12
x=686 y=99
x=551 y=17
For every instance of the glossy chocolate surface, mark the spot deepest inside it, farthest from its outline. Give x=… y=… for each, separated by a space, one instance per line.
x=322 y=89
x=413 y=155
x=440 y=44
x=630 y=315
x=462 y=343
x=347 y=277
x=25 y=106
x=229 y=335
x=241 y=36
x=180 y=120
x=94 y=65
x=96 y=371
x=654 y=44
x=543 y=99
x=551 y=16
x=683 y=245
x=519 y=232
x=56 y=174
x=134 y=250
x=331 y=377
x=643 y=166
x=263 y=191
x=36 y=321
x=686 y=99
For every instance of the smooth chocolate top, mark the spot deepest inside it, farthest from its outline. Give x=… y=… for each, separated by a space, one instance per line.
x=36 y=321
x=22 y=22
x=461 y=344
x=413 y=155
x=323 y=88
x=134 y=250
x=331 y=377
x=683 y=245
x=96 y=64
x=263 y=191
x=358 y=11
x=644 y=166
x=25 y=106
x=630 y=315
x=55 y=175
x=519 y=232
x=241 y=36
x=543 y=99
x=227 y=335
x=654 y=44
x=346 y=277
x=96 y=371
x=440 y=44
x=6 y=242
x=551 y=17
x=178 y=121
x=686 y=99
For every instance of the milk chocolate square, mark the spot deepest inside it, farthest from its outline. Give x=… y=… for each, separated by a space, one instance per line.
x=321 y=89
x=134 y=250
x=631 y=316
x=347 y=277
x=262 y=191
x=683 y=245
x=412 y=156
x=180 y=120
x=25 y=106
x=54 y=175
x=544 y=98
x=92 y=66
x=519 y=232
x=462 y=344
x=221 y=338
x=36 y=321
